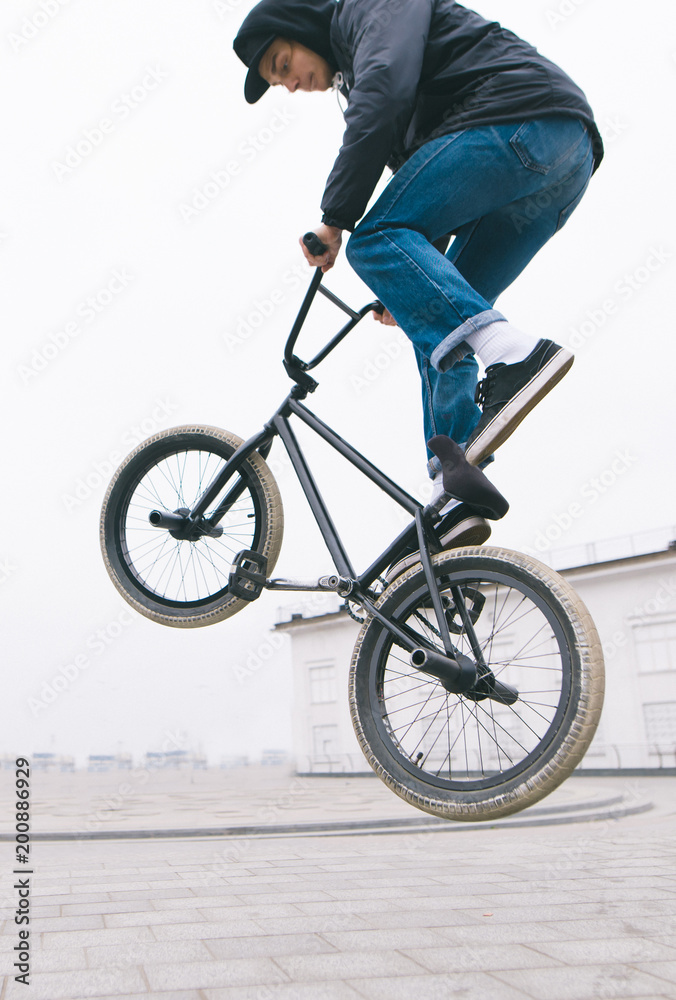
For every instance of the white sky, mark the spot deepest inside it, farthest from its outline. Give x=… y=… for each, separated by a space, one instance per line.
x=164 y=350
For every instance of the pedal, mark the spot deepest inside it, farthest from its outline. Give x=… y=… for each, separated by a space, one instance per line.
x=248 y=575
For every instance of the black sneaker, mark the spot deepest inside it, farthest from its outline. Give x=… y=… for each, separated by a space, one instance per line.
x=509 y=392
x=462 y=526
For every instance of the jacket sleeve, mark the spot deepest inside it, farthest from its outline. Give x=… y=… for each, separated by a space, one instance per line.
x=388 y=43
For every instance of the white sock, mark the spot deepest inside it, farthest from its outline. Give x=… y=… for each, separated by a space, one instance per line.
x=500 y=341
x=437 y=490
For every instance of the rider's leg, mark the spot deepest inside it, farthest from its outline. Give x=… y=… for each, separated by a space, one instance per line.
x=491 y=253
x=448 y=400
x=446 y=186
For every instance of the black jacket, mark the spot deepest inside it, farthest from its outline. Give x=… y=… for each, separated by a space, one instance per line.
x=418 y=69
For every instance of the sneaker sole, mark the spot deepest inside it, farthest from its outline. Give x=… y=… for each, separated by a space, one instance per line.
x=510 y=416
x=473 y=530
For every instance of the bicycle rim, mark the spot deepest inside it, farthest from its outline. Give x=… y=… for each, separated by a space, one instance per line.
x=179 y=573
x=463 y=757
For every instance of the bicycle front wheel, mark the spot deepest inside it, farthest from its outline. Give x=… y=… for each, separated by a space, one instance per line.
x=469 y=756
x=184 y=582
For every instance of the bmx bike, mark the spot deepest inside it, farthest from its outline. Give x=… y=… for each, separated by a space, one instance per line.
x=477 y=678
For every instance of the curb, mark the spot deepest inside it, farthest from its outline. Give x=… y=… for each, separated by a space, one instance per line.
x=610 y=809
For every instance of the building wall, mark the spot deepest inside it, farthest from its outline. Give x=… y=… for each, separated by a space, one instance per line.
x=633 y=604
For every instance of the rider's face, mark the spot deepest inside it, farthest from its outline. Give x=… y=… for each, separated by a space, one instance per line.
x=295 y=67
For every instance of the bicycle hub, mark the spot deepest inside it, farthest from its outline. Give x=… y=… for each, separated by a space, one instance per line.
x=456 y=676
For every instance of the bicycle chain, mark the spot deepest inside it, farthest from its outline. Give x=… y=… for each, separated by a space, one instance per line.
x=355 y=617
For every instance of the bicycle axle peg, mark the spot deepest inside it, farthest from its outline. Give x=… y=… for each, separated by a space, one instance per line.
x=456 y=676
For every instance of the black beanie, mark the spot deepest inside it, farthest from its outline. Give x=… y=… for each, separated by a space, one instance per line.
x=304 y=21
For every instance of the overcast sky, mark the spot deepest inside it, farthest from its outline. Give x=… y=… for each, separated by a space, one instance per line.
x=150 y=272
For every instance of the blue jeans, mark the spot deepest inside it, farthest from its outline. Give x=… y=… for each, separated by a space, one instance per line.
x=503 y=190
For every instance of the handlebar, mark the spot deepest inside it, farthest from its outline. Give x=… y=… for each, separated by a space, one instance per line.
x=296 y=368
x=314 y=244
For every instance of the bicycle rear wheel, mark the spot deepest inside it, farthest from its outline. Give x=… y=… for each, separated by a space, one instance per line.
x=175 y=581
x=470 y=757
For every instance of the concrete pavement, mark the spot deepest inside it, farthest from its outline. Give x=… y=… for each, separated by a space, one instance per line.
x=578 y=911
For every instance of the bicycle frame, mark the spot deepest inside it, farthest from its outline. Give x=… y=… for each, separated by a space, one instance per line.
x=347 y=583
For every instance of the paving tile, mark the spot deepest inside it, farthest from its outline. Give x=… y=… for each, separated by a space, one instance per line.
x=84 y=922
x=432 y=918
x=338 y=921
x=663 y=970
x=85 y=983
x=372 y=940
x=358 y=891
x=364 y=905
x=490 y=933
x=137 y=918
x=104 y=908
x=204 y=975
x=300 y=896
x=291 y=991
x=479 y=958
x=624 y=950
x=89 y=938
x=205 y=930
x=179 y=902
x=346 y=965
x=58 y=899
x=268 y=946
x=57 y=960
x=170 y=995
x=610 y=982
x=146 y=953
x=178 y=892
x=471 y=986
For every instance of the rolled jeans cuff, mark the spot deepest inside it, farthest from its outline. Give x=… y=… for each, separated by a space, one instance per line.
x=453 y=347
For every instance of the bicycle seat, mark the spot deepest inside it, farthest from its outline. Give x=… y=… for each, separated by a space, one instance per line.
x=466 y=482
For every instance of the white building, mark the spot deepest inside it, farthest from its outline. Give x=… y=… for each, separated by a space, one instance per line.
x=632 y=599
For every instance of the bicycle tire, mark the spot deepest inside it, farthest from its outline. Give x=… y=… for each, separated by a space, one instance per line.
x=460 y=761
x=183 y=583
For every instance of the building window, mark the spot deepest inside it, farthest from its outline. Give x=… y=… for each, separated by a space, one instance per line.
x=660 y=724
x=655 y=646
x=322 y=684
x=324 y=741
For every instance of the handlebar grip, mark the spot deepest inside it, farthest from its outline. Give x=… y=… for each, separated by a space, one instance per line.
x=314 y=244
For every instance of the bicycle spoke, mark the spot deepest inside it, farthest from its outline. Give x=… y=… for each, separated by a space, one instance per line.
x=180 y=570
x=456 y=737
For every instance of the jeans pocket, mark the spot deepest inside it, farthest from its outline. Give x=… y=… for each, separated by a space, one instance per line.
x=545 y=143
x=568 y=210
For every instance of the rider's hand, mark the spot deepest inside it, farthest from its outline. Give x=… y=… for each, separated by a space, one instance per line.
x=385 y=317
x=333 y=238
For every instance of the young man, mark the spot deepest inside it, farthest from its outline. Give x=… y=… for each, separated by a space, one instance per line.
x=489 y=142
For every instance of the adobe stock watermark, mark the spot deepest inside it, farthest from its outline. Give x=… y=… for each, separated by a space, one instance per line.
x=563 y=11
x=7 y=570
x=269 y=813
x=100 y=473
x=533 y=207
x=663 y=599
x=589 y=494
x=219 y=180
x=86 y=312
x=33 y=24
x=262 y=308
x=389 y=352
x=134 y=781
x=94 y=646
x=624 y=289
x=121 y=108
x=225 y=7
